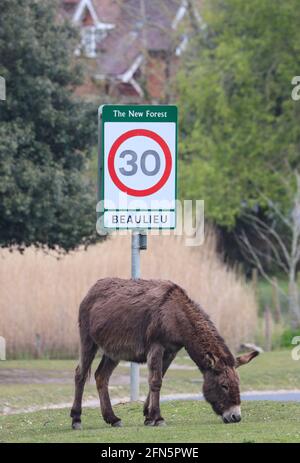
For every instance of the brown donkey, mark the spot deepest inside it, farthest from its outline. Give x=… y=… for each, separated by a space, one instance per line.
x=150 y=321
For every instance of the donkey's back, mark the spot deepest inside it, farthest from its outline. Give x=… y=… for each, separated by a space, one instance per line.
x=125 y=317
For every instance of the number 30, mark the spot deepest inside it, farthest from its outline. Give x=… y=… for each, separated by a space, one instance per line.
x=132 y=162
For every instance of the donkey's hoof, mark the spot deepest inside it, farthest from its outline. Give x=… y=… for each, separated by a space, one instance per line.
x=160 y=423
x=117 y=424
x=76 y=426
x=148 y=422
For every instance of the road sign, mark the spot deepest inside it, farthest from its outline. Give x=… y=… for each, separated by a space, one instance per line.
x=2 y=88
x=138 y=150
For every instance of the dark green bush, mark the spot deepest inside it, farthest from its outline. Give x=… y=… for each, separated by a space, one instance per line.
x=287 y=336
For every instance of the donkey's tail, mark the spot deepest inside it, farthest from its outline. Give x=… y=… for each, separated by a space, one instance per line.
x=87 y=353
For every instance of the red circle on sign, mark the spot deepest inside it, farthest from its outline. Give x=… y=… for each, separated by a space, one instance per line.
x=111 y=162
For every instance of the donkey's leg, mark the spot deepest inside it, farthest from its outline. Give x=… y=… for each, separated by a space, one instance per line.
x=102 y=375
x=87 y=355
x=168 y=358
x=155 y=362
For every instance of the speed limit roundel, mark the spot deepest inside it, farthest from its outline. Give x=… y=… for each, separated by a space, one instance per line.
x=133 y=162
x=137 y=160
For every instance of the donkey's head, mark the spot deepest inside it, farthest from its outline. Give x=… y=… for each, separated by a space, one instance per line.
x=221 y=386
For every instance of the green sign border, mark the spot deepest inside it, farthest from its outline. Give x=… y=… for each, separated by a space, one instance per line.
x=107 y=113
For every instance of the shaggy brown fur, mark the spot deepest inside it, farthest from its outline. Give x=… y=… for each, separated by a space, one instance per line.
x=150 y=321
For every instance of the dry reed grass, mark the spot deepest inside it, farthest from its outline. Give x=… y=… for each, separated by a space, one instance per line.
x=39 y=295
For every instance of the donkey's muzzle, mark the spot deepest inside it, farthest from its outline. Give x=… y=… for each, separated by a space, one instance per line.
x=232 y=415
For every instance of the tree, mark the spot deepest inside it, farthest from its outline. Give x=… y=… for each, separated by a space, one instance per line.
x=237 y=116
x=280 y=240
x=240 y=129
x=45 y=197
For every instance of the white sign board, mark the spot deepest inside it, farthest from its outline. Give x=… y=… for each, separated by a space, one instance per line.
x=138 y=161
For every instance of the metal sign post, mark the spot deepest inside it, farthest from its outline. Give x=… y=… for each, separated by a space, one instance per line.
x=135 y=273
x=2 y=88
x=137 y=178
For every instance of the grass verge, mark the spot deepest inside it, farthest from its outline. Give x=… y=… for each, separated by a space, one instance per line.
x=187 y=422
x=27 y=383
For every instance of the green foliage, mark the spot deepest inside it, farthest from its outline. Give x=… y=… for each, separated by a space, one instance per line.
x=239 y=125
x=45 y=197
x=287 y=336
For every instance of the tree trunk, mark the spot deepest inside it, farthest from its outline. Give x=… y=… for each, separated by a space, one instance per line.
x=294 y=299
x=276 y=300
x=268 y=329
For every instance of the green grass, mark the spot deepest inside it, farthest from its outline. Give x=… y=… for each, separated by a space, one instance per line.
x=269 y=371
x=40 y=364
x=187 y=422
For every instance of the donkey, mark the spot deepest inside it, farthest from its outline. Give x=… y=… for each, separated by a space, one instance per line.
x=150 y=321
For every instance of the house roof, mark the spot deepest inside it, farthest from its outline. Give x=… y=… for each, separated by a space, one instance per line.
x=136 y=31
x=138 y=25
x=107 y=10
x=67 y=8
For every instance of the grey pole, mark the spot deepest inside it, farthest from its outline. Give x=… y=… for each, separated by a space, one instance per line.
x=135 y=273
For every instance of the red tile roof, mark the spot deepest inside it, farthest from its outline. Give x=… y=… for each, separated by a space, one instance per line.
x=135 y=32
x=139 y=25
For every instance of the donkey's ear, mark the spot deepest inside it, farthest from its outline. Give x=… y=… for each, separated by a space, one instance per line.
x=245 y=358
x=211 y=361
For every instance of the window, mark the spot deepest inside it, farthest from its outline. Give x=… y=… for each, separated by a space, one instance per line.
x=90 y=36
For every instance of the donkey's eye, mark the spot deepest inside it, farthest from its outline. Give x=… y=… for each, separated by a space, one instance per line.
x=225 y=387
